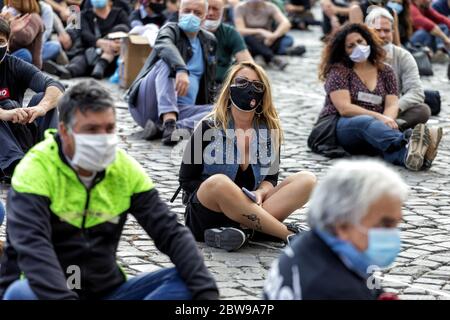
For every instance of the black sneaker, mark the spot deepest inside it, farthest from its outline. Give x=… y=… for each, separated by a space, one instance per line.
x=169 y=127
x=151 y=131
x=56 y=69
x=296 y=51
x=99 y=69
x=296 y=229
x=229 y=239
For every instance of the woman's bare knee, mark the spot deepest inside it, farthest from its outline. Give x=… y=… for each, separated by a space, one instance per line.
x=308 y=180
x=216 y=184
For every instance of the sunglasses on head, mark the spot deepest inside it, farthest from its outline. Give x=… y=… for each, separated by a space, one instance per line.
x=242 y=82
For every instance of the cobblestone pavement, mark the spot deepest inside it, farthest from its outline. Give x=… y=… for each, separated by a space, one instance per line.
x=422 y=270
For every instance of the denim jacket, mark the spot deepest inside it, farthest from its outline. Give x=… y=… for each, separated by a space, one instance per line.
x=221 y=155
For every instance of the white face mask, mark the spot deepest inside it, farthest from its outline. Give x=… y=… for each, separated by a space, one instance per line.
x=94 y=152
x=360 y=53
x=212 y=25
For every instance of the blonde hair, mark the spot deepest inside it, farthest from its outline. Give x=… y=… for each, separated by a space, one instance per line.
x=269 y=115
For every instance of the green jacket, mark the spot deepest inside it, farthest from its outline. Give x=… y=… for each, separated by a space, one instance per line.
x=55 y=223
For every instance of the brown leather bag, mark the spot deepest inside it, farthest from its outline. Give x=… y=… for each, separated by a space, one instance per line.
x=26 y=35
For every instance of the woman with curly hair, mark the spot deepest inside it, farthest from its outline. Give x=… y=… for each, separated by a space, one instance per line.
x=233 y=157
x=362 y=93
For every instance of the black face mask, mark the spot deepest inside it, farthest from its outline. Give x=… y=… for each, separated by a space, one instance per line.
x=157 y=7
x=3 y=51
x=246 y=99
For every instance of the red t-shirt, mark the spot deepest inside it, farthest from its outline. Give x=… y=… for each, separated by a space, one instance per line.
x=427 y=19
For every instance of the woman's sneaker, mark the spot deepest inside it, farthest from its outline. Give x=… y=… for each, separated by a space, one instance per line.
x=417 y=147
x=436 y=136
x=229 y=239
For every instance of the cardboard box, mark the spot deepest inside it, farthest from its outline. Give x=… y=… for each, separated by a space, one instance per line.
x=134 y=52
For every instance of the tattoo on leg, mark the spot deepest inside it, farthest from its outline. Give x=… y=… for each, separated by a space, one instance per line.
x=256 y=221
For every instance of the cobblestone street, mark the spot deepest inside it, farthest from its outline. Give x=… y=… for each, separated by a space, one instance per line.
x=422 y=271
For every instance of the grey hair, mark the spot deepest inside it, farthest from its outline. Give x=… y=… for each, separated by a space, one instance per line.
x=375 y=14
x=349 y=188
x=206 y=4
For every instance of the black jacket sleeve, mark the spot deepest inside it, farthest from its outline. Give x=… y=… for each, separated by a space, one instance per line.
x=175 y=240
x=31 y=77
x=166 y=48
x=29 y=233
x=88 y=37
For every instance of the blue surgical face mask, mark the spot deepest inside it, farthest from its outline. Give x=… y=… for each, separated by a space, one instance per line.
x=99 y=4
x=360 y=53
x=189 y=22
x=397 y=7
x=384 y=246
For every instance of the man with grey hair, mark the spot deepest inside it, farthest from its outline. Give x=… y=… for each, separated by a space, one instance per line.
x=413 y=110
x=70 y=198
x=176 y=87
x=353 y=213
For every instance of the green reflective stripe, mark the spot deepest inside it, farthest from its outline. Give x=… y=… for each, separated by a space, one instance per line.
x=42 y=172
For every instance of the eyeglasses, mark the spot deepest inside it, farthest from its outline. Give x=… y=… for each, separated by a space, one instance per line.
x=241 y=82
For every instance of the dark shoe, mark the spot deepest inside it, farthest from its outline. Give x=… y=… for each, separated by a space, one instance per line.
x=430 y=155
x=296 y=229
x=229 y=239
x=151 y=131
x=296 y=51
x=417 y=147
x=99 y=69
x=56 y=69
x=402 y=124
x=169 y=127
x=280 y=64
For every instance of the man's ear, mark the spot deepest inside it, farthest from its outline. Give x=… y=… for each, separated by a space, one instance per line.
x=62 y=130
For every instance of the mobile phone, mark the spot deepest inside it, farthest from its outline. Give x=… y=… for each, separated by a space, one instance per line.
x=249 y=194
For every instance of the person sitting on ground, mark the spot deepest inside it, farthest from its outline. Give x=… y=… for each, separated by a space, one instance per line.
x=412 y=109
x=67 y=207
x=335 y=14
x=299 y=14
x=442 y=6
x=187 y=53
x=354 y=215
x=238 y=146
x=22 y=127
x=62 y=7
x=361 y=93
x=254 y=20
x=124 y=5
x=100 y=54
x=359 y=12
x=27 y=31
x=431 y=29
x=150 y=11
x=405 y=28
x=230 y=44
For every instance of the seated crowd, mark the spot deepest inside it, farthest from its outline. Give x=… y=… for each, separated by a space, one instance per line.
x=203 y=76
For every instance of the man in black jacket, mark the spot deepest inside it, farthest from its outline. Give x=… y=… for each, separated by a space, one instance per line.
x=99 y=54
x=68 y=205
x=187 y=53
x=353 y=214
x=22 y=127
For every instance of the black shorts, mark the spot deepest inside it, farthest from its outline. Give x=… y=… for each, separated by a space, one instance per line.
x=198 y=218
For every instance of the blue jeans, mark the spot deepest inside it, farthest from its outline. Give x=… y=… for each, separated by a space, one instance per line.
x=50 y=50
x=422 y=37
x=157 y=96
x=11 y=150
x=285 y=43
x=163 y=284
x=365 y=135
x=23 y=54
x=2 y=213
